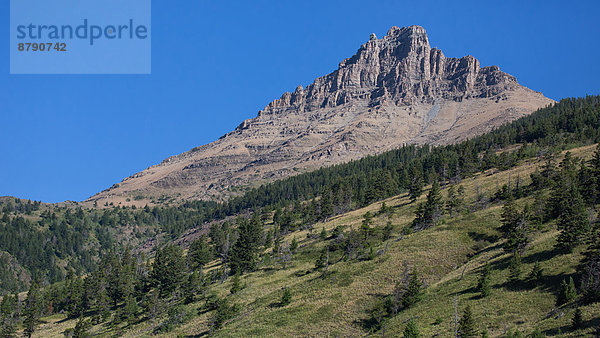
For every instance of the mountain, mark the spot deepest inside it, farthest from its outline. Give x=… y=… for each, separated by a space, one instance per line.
x=393 y=91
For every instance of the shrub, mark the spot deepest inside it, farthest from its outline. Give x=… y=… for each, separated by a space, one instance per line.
x=286 y=297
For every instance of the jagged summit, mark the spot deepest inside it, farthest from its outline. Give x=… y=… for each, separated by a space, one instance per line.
x=400 y=68
x=394 y=90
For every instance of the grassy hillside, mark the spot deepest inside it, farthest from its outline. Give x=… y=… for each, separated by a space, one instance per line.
x=338 y=301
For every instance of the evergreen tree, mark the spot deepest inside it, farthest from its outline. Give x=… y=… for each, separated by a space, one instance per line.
x=416 y=184
x=595 y=166
x=577 y=321
x=411 y=330
x=33 y=309
x=564 y=187
x=294 y=245
x=76 y=301
x=573 y=221
x=589 y=269
x=326 y=204
x=509 y=216
x=567 y=292
x=323 y=259
x=387 y=231
x=515 y=269
x=466 y=326
x=236 y=284
x=323 y=234
x=537 y=333
x=244 y=254
x=484 y=285
x=168 y=269
x=120 y=275
x=81 y=329
x=224 y=311
x=200 y=253
x=130 y=309
x=429 y=213
x=8 y=328
x=455 y=200
x=384 y=209
x=537 y=274
x=587 y=184
x=514 y=227
x=191 y=287
x=413 y=291
x=514 y=334
x=7 y=316
x=286 y=297
x=366 y=225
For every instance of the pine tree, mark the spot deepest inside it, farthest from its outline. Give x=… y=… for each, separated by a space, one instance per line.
x=191 y=287
x=8 y=328
x=326 y=204
x=589 y=269
x=413 y=292
x=416 y=184
x=514 y=334
x=387 y=231
x=567 y=292
x=537 y=274
x=577 y=321
x=515 y=269
x=384 y=209
x=32 y=311
x=286 y=297
x=537 y=333
x=294 y=245
x=429 y=213
x=200 y=253
x=236 y=285
x=595 y=166
x=7 y=316
x=130 y=309
x=484 y=285
x=322 y=260
x=564 y=187
x=323 y=234
x=573 y=221
x=81 y=329
x=168 y=269
x=587 y=184
x=451 y=200
x=455 y=200
x=76 y=299
x=411 y=330
x=366 y=225
x=514 y=227
x=244 y=254
x=224 y=311
x=466 y=326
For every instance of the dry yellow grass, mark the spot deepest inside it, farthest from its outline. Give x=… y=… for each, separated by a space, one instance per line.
x=338 y=303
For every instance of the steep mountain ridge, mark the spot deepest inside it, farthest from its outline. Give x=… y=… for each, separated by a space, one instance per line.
x=394 y=90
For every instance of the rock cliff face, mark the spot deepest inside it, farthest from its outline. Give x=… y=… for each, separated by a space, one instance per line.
x=393 y=91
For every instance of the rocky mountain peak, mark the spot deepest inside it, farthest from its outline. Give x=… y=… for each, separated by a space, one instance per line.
x=393 y=90
x=414 y=36
x=400 y=68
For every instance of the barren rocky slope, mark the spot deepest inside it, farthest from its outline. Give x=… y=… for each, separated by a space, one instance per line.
x=393 y=91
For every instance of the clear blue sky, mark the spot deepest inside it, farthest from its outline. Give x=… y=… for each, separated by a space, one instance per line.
x=216 y=63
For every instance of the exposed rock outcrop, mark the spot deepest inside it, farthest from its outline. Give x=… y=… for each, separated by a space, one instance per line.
x=394 y=90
